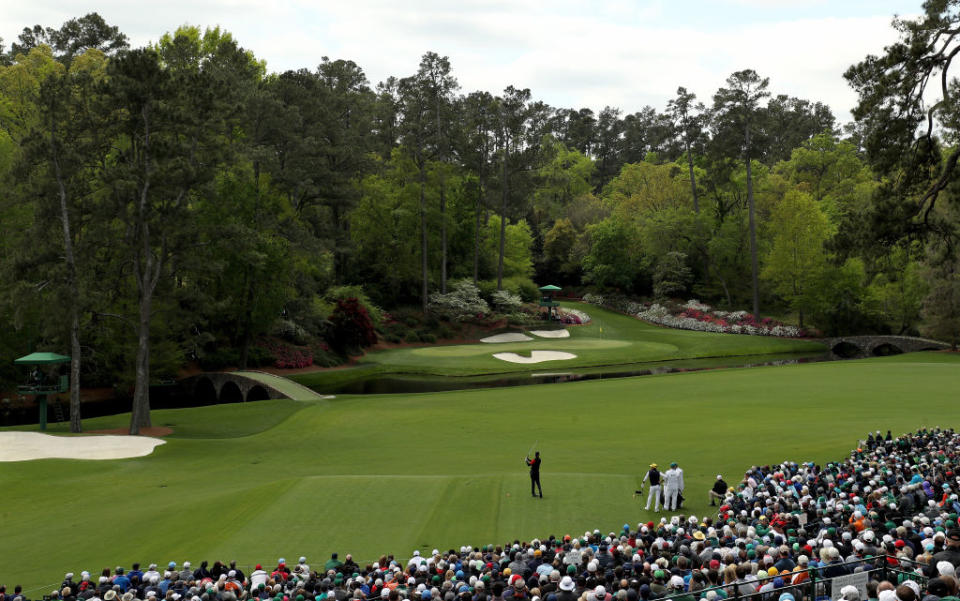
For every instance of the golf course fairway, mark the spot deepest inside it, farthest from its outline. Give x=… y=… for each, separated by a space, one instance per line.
x=394 y=473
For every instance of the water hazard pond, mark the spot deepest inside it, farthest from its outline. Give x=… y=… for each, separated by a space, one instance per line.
x=399 y=384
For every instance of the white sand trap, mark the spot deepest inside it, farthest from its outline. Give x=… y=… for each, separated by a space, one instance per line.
x=535 y=357
x=551 y=333
x=23 y=446
x=508 y=337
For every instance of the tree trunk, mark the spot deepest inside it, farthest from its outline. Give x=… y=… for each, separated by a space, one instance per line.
x=76 y=425
x=147 y=270
x=503 y=219
x=423 y=236
x=443 y=198
x=443 y=238
x=476 y=233
x=140 y=416
x=693 y=181
x=753 y=234
x=246 y=326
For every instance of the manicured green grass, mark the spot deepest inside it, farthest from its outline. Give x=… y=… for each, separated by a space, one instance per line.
x=610 y=339
x=244 y=419
x=388 y=474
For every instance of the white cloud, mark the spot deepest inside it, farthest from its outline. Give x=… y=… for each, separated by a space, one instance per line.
x=569 y=53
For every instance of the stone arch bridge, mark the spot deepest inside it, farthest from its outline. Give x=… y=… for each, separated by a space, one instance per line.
x=878 y=346
x=237 y=387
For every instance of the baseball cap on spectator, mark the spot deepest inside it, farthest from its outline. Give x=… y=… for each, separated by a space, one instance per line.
x=938 y=587
x=850 y=593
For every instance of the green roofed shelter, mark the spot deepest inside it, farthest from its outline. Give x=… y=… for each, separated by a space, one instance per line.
x=40 y=386
x=546 y=300
x=42 y=359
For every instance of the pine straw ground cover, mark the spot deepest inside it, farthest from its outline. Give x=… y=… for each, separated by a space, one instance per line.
x=394 y=473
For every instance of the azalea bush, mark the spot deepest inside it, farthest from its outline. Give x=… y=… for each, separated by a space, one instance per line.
x=572 y=316
x=695 y=315
x=288 y=356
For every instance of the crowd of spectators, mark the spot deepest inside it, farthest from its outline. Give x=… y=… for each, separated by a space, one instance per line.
x=889 y=509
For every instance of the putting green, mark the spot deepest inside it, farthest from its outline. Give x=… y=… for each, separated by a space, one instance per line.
x=581 y=344
x=609 y=339
x=394 y=473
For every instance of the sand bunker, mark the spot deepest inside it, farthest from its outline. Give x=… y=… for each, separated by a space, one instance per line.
x=508 y=337
x=551 y=333
x=23 y=446
x=535 y=357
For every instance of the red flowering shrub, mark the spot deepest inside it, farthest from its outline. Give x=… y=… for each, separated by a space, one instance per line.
x=352 y=329
x=288 y=356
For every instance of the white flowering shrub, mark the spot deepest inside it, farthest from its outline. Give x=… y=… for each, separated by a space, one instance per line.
x=463 y=302
x=656 y=312
x=593 y=299
x=506 y=302
x=696 y=305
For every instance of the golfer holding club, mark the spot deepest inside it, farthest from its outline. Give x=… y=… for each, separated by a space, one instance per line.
x=534 y=474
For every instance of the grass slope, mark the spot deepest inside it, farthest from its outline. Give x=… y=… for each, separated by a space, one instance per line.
x=369 y=475
x=609 y=339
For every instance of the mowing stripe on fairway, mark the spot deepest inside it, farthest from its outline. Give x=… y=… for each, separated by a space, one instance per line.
x=392 y=473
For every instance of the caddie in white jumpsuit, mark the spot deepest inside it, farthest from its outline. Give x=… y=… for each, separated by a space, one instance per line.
x=673 y=486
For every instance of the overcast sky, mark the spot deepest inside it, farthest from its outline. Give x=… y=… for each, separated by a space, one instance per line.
x=623 y=53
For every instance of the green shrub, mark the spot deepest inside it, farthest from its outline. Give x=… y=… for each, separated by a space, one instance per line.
x=411 y=336
x=258 y=356
x=342 y=293
x=487 y=288
x=219 y=358
x=407 y=315
x=426 y=336
x=289 y=331
x=324 y=357
x=522 y=287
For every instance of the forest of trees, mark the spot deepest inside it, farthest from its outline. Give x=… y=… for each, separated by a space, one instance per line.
x=164 y=203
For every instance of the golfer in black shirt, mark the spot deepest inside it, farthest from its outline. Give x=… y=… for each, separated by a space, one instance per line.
x=535 y=475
